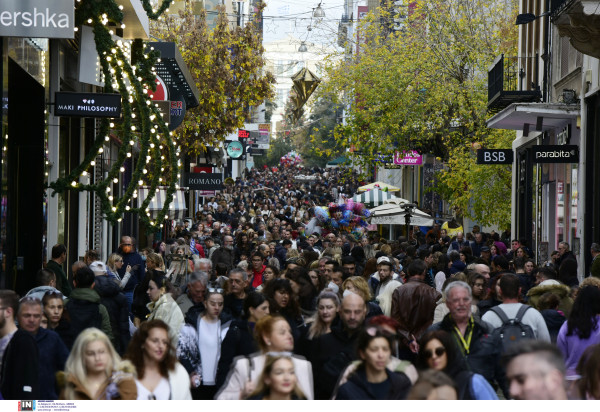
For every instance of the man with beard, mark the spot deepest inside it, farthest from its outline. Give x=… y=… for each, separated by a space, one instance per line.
x=134 y=261
x=224 y=254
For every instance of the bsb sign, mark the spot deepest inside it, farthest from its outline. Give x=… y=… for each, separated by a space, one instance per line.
x=53 y=19
x=87 y=104
x=494 y=156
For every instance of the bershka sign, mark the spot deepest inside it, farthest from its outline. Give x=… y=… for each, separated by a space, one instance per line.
x=53 y=19
x=203 y=181
x=556 y=154
x=410 y=158
x=87 y=104
x=494 y=156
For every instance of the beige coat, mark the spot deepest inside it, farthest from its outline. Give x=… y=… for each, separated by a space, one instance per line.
x=167 y=310
x=243 y=369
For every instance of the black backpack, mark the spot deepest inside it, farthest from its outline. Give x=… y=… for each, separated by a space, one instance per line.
x=512 y=330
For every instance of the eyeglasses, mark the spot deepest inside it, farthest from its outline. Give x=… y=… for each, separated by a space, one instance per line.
x=53 y=293
x=439 y=351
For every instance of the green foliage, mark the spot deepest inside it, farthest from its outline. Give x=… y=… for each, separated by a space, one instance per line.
x=425 y=88
x=279 y=147
x=226 y=65
x=129 y=71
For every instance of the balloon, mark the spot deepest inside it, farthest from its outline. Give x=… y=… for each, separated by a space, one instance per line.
x=366 y=213
x=347 y=215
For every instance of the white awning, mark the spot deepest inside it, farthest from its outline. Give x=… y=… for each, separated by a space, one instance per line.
x=177 y=207
x=539 y=117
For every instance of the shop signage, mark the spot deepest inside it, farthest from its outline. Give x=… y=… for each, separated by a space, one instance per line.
x=243 y=134
x=564 y=136
x=203 y=181
x=177 y=110
x=87 y=104
x=410 y=158
x=235 y=150
x=494 y=156
x=52 y=19
x=556 y=154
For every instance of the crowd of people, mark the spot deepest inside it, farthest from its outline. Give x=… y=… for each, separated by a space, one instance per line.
x=250 y=299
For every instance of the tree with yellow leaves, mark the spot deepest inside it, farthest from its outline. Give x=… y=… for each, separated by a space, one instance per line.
x=227 y=66
x=424 y=88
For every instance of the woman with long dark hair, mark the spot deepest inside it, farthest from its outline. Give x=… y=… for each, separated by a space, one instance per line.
x=581 y=329
x=283 y=301
x=438 y=351
x=303 y=288
x=159 y=375
x=239 y=340
x=372 y=380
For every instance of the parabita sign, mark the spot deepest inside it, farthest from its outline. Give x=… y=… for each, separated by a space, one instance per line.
x=53 y=19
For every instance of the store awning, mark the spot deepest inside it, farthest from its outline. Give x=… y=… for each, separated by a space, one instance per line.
x=173 y=70
x=532 y=117
x=177 y=207
x=372 y=198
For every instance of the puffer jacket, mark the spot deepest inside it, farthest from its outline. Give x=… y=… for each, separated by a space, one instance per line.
x=562 y=291
x=413 y=306
x=484 y=354
x=167 y=310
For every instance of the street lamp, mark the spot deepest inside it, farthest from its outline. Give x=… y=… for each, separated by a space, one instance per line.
x=318 y=13
x=302 y=48
x=409 y=208
x=526 y=18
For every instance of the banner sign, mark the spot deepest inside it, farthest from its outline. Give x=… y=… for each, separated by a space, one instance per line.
x=411 y=158
x=494 y=156
x=53 y=19
x=556 y=154
x=235 y=150
x=87 y=104
x=203 y=181
x=243 y=134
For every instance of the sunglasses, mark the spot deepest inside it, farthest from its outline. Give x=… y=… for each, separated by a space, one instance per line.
x=53 y=293
x=215 y=290
x=30 y=299
x=439 y=351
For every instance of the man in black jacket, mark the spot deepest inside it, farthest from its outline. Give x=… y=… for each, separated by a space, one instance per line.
x=19 y=370
x=333 y=351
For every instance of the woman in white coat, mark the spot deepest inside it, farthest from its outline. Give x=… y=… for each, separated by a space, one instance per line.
x=159 y=375
x=162 y=305
x=274 y=337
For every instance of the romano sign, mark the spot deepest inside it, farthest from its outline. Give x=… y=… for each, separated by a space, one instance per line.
x=87 y=104
x=52 y=19
x=203 y=181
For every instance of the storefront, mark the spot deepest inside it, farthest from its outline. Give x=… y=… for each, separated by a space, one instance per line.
x=546 y=172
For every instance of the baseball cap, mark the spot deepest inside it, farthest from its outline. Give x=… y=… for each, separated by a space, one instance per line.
x=383 y=259
x=484 y=249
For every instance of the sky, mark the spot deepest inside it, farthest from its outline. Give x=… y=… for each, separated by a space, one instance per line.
x=293 y=17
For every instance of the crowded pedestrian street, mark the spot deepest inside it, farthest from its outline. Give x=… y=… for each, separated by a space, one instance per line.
x=208 y=200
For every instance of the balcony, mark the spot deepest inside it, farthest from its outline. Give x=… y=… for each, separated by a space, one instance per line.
x=509 y=82
x=579 y=20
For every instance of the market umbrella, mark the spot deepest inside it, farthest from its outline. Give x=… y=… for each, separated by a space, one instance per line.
x=372 y=198
x=392 y=213
x=379 y=185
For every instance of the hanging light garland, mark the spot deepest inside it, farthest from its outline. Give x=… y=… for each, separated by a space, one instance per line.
x=127 y=70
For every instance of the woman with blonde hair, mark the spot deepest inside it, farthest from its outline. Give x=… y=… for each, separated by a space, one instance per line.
x=328 y=306
x=94 y=370
x=358 y=285
x=278 y=381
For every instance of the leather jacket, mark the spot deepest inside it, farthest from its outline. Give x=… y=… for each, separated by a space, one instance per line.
x=413 y=306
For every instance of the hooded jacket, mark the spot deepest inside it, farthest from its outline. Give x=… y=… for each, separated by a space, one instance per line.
x=40 y=291
x=562 y=291
x=53 y=355
x=85 y=311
